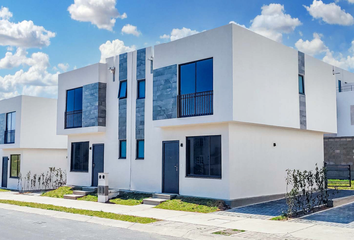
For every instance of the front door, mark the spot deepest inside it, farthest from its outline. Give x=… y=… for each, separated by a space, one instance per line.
x=97 y=162
x=170 y=164
x=5 y=162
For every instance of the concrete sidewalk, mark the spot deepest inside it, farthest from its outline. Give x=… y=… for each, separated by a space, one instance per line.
x=255 y=228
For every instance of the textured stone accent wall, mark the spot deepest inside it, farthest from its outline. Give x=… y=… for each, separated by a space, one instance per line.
x=2 y=127
x=94 y=105
x=123 y=66
x=140 y=119
x=140 y=64
x=165 y=93
x=301 y=63
x=339 y=151
x=352 y=114
x=302 y=102
x=122 y=119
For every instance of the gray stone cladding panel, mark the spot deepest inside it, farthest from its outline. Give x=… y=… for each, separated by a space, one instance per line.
x=165 y=93
x=140 y=64
x=123 y=66
x=140 y=119
x=2 y=127
x=301 y=63
x=90 y=105
x=352 y=114
x=102 y=88
x=339 y=151
x=302 y=103
x=122 y=119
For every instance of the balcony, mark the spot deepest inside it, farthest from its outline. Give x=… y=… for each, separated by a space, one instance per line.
x=73 y=119
x=9 y=137
x=195 y=104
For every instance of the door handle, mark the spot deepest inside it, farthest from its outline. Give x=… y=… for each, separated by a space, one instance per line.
x=93 y=165
x=176 y=167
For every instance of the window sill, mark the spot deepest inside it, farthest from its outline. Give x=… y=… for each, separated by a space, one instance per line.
x=14 y=177
x=76 y=171
x=72 y=127
x=205 y=177
x=122 y=158
x=139 y=158
x=122 y=98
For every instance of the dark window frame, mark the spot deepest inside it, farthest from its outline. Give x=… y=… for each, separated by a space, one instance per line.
x=126 y=89
x=339 y=85
x=303 y=84
x=205 y=176
x=71 y=158
x=66 y=107
x=138 y=89
x=120 y=149
x=137 y=149
x=7 y=130
x=18 y=166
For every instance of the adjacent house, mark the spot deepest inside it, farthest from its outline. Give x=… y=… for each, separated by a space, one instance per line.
x=29 y=145
x=220 y=114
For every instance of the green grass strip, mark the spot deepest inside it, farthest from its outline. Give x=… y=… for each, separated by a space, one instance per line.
x=99 y=214
x=4 y=190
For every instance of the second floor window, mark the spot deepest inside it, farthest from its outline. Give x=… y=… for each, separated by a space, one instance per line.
x=10 y=127
x=122 y=89
x=73 y=114
x=141 y=89
x=301 y=84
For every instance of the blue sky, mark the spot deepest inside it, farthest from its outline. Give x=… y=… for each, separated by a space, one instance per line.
x=66 y=34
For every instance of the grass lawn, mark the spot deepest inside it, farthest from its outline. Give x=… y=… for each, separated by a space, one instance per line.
x=343 y=184
x=228 y=232
x=130 y=198
x=4 y=190
x=190 y=204
x=58 y=193
x=100 y=214
x=89 y=197
x=280 y=218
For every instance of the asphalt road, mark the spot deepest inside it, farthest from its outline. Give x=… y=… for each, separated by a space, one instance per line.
x=16 y=225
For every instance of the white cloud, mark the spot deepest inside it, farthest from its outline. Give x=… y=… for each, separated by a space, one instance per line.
x=22 y=34
x=130 y=29
x=313 y=47
x=273 y=22
x=345 y=62
x=330 y=13
x=14 y=60
x=63 y=66
x=116 y=47
x=179 y=33
x=102 y=13
x=241 y=25
x=165 y=36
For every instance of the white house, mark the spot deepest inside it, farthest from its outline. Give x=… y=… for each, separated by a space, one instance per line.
x=28 y=140
x=220 y=114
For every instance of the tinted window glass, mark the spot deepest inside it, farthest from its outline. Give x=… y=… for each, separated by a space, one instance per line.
x=122 y=89
x=10 y=121
x=74 y=100
x=141 y=89
x=140 y=149
x=15 y=166
x=204 y=156
x=205 y=75
x=187 y=76
x=301 y=85
x=70 y=100
x=79 y=156
x=123 y=149
x=78 y=99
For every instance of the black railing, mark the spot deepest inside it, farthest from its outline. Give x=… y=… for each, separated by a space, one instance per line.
x=345 y=88
x=195 y=104
x=9 y=136
x=73 y=119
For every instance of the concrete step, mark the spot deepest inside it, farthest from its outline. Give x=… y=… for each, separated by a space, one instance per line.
x=340 y=201
x=81 y=192
x=73 y=196
x=167 y=196
x=89 y=189
x=153 y=201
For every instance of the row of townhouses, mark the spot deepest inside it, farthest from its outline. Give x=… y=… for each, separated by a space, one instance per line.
x=220 y=114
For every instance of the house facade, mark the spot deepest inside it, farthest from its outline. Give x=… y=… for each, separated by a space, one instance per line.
x=220 y=114
x=28 y=142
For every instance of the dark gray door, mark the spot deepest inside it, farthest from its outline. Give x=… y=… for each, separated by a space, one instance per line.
x=170 y=159
x=97 y=162
x=5 y=163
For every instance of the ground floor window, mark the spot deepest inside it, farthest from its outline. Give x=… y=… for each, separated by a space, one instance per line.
x=204 y=156
x=122 y=149
x=140 y=149
x=15 y=163
x=79 y=156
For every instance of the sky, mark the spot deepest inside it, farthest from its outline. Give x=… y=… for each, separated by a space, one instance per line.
x=40 y=39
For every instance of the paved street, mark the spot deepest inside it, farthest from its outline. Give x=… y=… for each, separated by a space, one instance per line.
x=16 y=225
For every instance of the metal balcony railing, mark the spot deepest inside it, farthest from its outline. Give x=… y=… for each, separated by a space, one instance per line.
x=73 y=119
x=345 y=88
x=195 y=104
x=9 y=136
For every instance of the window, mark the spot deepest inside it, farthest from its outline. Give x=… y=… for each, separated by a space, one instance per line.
x=73 y=114
x=79 y=156
x=204 y=156
x=140 y=149
x=15 y=166
x=10 y=127
x=339 y=86
x=122 y=149
x=301 y=84
x=141 y=89
x=122 y=90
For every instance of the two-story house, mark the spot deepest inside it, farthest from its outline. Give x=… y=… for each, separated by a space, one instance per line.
x=28 y=140
x=220 y=114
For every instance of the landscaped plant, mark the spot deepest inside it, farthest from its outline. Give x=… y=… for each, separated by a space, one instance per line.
x=306 y=191
x=52 y=179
